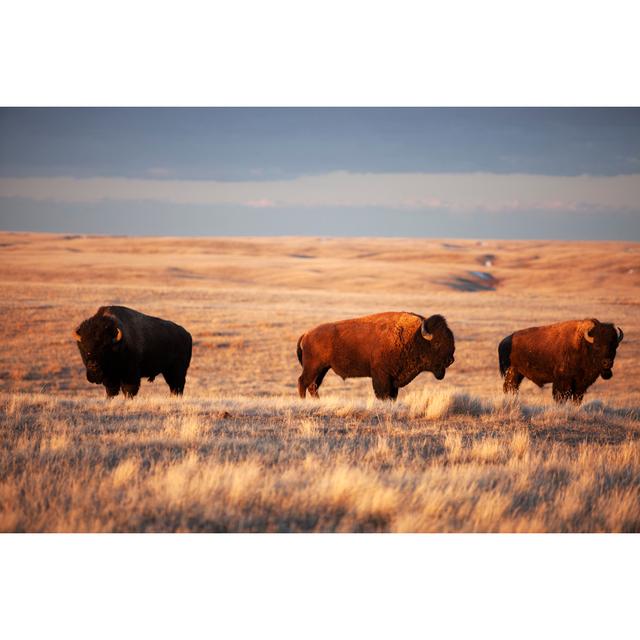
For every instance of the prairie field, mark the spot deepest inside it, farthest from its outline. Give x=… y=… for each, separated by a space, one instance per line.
x=240 y=451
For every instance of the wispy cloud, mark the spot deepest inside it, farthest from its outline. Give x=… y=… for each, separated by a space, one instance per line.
x=262 y=203
x=158 y=172
x=451 y=192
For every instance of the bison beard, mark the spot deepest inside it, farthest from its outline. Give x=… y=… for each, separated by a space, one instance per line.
x=119 y=346
x=571 y=355
x=390 y=348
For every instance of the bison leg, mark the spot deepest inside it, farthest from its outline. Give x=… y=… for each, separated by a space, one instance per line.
x=302 y=387
x=112 y=389
x=512 y=381
x=310 y=380
x=561 y=391
x=319 y=378
x=317 y=381
x=178 y=389
x=577 y=393
x=176 y=382
x=130 y=389
x=384 y=388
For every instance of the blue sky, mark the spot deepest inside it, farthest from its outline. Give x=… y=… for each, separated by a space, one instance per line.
x=529 y=173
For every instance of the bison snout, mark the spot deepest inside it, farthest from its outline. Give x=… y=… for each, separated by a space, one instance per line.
x=439 y=374
x=607 y=374
x=94 y=377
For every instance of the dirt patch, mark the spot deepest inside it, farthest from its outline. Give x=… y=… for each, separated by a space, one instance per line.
x=176 y=272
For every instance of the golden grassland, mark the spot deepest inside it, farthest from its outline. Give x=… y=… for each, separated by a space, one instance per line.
x=241 y=452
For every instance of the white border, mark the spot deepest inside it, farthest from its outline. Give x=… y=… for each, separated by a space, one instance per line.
x=319 y=586
x=335 y=52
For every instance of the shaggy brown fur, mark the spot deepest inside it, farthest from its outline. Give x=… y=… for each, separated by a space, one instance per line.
x=119 y=346
x=570 y=355
x=391 y=348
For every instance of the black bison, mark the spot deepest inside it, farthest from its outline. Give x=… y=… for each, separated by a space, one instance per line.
x=570 y=355
x=119 y=346
x=391 y=348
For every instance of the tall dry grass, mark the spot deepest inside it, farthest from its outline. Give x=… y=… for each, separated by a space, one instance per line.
x=452 y=463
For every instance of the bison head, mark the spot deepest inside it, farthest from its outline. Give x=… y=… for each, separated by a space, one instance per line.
x=97 y=339
x=440 y=345
x=602 y=341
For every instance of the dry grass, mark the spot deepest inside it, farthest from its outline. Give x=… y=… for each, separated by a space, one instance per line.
x=240 y=452
x=246 y=464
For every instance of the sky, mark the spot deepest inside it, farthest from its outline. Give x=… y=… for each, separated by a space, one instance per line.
x=571 y=173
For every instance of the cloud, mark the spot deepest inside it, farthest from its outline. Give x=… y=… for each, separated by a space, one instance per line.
x=158 y=171
x=262 y=203
x=414 y=191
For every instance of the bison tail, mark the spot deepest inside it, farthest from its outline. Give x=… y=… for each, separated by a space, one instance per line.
x=299 y=349
x=504 y=355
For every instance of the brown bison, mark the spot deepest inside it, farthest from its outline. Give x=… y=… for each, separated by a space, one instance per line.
x=571 y=355
x=391 y=348
x=119 y=346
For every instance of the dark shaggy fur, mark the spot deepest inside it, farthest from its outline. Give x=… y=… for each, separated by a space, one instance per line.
x=561 y=354
x=504 y=355
x=390 y=348
x=299 y=350
x=119 y=346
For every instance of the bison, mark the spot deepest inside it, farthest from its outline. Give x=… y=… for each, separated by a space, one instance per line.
x=119 y=346
x=570 y=355
x=391 y=348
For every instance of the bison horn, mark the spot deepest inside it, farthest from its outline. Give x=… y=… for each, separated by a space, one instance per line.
x=118 y=335
x=77 y=336
x=589 y=325
x=620 y=334
x=425 y=334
